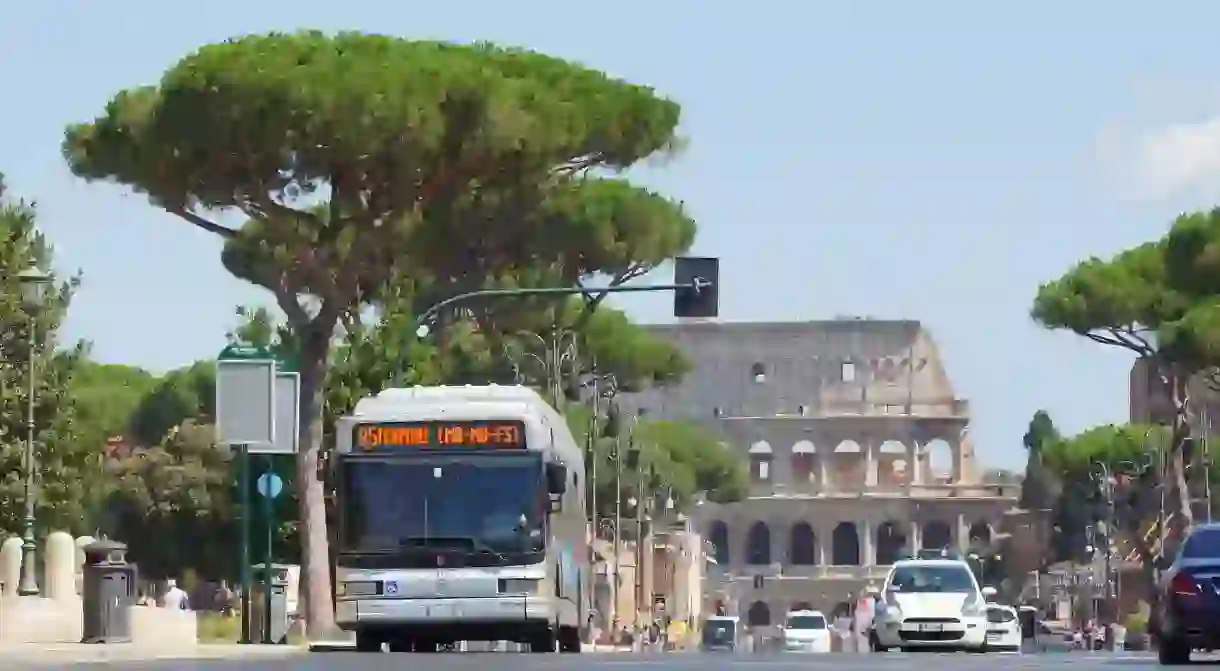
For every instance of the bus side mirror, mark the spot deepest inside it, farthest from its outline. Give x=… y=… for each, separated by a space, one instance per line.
x=556 y=479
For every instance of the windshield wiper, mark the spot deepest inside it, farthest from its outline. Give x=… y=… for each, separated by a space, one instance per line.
x=476 y=544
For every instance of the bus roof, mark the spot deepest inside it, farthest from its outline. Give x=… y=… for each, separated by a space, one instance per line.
x=465 y=402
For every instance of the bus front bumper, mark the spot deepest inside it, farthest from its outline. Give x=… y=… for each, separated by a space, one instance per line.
x=360 y=613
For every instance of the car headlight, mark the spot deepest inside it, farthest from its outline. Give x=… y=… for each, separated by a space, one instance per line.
x=519 y=585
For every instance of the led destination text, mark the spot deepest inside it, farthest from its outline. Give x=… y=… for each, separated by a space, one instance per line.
x=417 y=435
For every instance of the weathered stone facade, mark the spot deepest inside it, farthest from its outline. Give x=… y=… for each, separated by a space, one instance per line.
x=839 y=421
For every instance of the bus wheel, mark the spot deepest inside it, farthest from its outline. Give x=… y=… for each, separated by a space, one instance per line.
x=368 y=642
x=544 y=642
x=569 y=639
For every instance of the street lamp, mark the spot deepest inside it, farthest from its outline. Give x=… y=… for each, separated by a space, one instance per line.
x=34 y=283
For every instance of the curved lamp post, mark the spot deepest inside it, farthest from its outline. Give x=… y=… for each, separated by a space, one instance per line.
x=34 y=283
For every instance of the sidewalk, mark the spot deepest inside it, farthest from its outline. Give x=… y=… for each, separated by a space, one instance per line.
x=127 y=652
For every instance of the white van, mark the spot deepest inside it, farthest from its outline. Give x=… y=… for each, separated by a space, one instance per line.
x=806 y=631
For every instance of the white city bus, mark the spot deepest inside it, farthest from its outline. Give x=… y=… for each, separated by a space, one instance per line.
x=461 y=517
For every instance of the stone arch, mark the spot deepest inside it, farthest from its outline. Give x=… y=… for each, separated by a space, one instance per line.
x=801 y=545
x=892 y=447
x=937 y=535
x=758 y=544
x=980 y=534
x=848 y=446
x=845 y=545
x=889 y=454
x=718 y=534
x=803 y=462
x=936 y=461
x=759 y=614
x=847 y=462
x=761 y=461
x=758 y=372
x=891 y=542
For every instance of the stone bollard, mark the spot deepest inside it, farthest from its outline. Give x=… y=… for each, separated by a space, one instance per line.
x=60 y=567
x=10 y=564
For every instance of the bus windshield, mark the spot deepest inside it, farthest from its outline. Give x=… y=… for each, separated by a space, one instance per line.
x=487 y=506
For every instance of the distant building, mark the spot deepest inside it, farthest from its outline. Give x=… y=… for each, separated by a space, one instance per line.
x=839 y=422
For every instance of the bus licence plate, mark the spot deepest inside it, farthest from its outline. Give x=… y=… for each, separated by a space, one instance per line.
x=441 y=611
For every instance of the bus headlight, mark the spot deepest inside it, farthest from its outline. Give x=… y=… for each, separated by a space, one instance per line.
x=519 y=585
x=358 y=588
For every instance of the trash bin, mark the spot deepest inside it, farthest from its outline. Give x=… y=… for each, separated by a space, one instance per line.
x=279 y=604
x=108 y=594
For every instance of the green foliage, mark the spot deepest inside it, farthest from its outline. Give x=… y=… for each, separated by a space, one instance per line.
x=185 y=393
x=173 y=505
x=1037 y=487
x=105 y=396
x=1129 y=452
x=67 y=467
x=680 y=458
x=1119 y=302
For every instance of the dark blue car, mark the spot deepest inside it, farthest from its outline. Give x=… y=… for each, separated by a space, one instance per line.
x=1188 y=616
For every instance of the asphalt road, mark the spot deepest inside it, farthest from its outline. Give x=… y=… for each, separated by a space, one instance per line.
x=626 y=662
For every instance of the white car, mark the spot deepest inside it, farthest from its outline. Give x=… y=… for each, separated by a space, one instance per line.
x=806 y=631
x=1003 y=628
x=931 y=604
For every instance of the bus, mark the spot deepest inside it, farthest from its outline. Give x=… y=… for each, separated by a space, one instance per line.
x=461 y=517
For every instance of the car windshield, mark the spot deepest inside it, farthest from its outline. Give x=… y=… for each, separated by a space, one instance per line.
x=999 y=615
x=806 y=622
x=485 y=505
x=1202 y=544
x=932 y=578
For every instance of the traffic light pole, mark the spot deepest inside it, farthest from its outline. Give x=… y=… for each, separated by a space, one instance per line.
x=697 y=285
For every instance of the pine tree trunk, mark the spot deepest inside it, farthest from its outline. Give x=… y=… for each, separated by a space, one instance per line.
x=1180 y=435
x=315 y=547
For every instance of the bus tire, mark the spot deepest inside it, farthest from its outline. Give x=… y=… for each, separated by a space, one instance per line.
x=368 y=642
x=544 y=641
x=569 y=639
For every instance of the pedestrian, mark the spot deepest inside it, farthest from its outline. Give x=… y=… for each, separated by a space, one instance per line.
x=175 y=598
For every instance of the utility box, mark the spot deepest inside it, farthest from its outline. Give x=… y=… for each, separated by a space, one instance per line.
x=278 y=598
x=108 y=594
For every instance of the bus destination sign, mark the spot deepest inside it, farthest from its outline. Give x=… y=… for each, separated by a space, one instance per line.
x=477 y=434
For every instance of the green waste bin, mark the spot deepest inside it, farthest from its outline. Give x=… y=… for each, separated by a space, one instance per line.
x=108 y=594
x=278 y=622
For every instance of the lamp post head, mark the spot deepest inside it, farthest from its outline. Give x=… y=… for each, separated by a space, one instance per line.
x=33 y=283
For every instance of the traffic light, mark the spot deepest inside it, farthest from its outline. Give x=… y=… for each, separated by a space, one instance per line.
x=700 y=299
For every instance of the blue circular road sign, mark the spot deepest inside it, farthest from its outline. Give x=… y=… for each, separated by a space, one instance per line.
x=270 y=485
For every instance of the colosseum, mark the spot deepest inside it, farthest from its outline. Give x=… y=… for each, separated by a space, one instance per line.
x=858 y=452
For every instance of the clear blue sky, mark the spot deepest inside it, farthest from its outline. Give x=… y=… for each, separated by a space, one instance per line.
x=930 y=160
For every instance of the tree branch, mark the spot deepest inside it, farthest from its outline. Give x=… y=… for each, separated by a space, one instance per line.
x=292 y=308
x=200 y=222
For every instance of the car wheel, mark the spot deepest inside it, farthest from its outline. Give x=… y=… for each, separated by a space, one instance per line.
x=1173 y=651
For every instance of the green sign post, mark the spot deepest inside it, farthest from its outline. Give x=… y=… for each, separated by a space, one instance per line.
x=254 y=389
